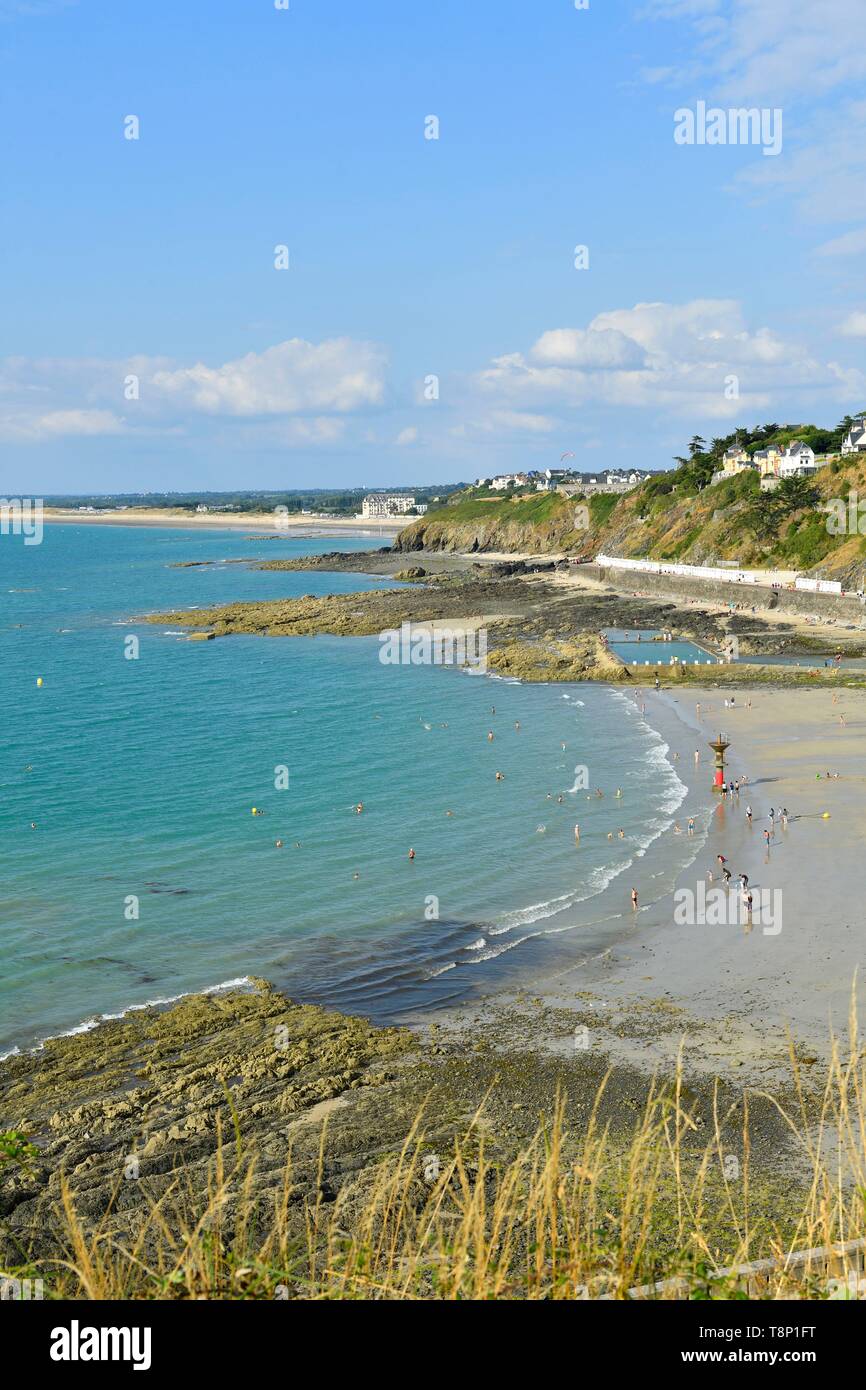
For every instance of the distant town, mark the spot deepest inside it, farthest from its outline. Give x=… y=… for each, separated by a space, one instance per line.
x=799 y=453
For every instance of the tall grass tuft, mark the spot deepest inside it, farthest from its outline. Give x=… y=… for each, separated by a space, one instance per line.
x=568 y=1216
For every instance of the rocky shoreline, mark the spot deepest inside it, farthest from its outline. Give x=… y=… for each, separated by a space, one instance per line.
x=133 y=1114
x=539 y=627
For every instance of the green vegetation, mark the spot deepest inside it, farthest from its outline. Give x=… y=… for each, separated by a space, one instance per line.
x=16 y=1150
x=677 y=515
x=527 y=509
x=600 y=507
x=766 y=514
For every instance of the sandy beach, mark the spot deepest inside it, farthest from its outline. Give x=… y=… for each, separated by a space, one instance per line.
x=731 y=994
x=245 y=521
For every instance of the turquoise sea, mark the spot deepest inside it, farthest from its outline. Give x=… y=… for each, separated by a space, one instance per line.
x=140 y=775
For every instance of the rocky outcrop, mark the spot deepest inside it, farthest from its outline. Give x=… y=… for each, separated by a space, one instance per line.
x=116 y=1110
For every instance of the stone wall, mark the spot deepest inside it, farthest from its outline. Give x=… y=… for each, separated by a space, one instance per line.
x=747 y=596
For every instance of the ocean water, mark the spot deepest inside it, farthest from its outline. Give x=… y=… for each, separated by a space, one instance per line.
x=147 y=876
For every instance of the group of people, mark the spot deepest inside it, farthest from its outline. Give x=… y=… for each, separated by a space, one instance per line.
x=742 y=879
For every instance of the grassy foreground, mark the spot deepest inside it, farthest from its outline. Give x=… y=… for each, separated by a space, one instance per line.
x=570 y=1216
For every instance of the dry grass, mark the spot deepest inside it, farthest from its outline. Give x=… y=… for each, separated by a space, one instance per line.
x=569 y=1216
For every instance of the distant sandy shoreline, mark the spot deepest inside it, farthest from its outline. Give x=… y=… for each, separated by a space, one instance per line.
x=246 y=521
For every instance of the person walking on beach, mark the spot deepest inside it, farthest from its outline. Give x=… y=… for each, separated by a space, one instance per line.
x=577 y=834
x=749 y=814
x=697 y=756
x=767 y=838
x=773 y=815
x=691 y=825
x=784 y=818
x=634 y=899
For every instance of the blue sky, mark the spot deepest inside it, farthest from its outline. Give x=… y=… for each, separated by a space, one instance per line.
x=154 y=258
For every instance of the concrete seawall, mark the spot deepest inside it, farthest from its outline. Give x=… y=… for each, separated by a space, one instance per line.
x=673 y=587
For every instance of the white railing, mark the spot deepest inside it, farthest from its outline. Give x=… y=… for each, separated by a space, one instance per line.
x=770 y=578
x=819 y=586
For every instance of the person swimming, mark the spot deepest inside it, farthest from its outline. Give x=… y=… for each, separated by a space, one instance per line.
x=411 y=854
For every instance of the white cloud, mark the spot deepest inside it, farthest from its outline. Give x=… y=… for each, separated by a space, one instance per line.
x=762 y=50
x=595 y=347
x=523 y=420
x=305 y=390
x=851 y=244
x=504 y=422
x=855 y=325
x=672 y=356
x=407 y=436
x=791 y=54
x=335 y=375
x=20 y=427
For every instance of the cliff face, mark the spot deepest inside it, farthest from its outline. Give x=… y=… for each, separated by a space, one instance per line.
x=533 y=526
x=660 y=521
